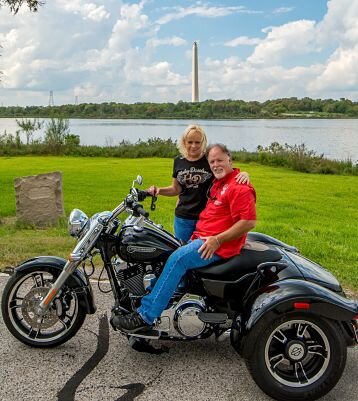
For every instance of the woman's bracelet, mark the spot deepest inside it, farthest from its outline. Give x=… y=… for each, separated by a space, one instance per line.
x=217 y=240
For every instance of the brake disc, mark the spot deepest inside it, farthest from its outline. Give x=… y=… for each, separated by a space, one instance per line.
x=29 y=307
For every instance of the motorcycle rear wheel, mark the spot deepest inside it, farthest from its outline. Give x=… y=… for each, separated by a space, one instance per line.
x=23 y=293
x=296 y=356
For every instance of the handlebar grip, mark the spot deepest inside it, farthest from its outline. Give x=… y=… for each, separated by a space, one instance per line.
x=139 y=209
x=142 y=195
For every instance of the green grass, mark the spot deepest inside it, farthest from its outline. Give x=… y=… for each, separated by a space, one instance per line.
x=316 y=213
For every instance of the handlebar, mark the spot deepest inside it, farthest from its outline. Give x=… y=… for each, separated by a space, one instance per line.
x=131 y=201
x=144 y=194
x=138 y=208
x=139 y=195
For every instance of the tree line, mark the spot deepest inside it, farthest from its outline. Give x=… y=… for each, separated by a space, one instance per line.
x=208 y=109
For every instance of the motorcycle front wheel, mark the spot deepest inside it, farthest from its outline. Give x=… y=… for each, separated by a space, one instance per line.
x=23 y=293
x=296 y=356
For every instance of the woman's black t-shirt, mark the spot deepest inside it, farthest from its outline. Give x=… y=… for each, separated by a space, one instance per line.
x=195 y=178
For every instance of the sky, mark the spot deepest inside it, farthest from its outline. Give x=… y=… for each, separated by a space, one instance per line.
x=94 y=51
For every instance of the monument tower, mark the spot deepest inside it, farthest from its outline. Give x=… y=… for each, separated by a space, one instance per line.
x=51 y=101
x=195 y=79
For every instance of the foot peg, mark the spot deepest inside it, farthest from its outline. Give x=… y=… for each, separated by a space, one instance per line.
x=213 y=318
x=146 y=333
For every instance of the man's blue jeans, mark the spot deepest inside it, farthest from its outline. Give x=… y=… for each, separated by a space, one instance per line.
x=179 y=262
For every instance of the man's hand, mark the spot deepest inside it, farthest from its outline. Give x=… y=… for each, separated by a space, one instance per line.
x=209 y=247
x=243 y=178
x=213 y=243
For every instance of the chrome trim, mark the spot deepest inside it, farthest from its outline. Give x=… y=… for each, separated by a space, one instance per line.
x=117 y=211
x=355 y=330
x=77 y=255
x=87 y=242
x=170 y=317
x=151 y=335
x=77 y=223
x=297 y=345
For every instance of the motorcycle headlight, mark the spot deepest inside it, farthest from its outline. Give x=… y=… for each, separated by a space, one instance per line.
x=78 y=223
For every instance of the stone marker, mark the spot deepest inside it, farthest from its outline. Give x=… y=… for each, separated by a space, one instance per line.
x=39 y=198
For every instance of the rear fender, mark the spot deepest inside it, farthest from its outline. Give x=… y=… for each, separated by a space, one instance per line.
x=77 y=281
x=302 y=296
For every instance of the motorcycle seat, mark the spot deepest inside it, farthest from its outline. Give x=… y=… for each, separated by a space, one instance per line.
x=251 y=255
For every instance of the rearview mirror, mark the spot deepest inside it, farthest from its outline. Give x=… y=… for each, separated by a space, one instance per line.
x=139 y=179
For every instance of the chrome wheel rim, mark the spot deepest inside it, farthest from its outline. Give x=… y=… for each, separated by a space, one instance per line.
x=26 y=295
x=297 y=353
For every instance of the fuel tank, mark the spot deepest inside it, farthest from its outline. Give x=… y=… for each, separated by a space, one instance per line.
x=145 y=244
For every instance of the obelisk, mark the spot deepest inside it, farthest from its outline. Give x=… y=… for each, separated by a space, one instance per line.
x=195 y=80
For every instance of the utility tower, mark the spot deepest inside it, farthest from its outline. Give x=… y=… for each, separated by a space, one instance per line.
x=195 y=78
x=50 y=101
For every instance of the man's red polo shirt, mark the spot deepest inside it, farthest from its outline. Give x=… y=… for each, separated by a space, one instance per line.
x=228 y=203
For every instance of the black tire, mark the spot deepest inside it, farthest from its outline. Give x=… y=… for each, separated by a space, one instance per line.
x=296 y=357
x=22 y=294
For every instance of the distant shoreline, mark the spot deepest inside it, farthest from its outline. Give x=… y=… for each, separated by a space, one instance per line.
x=281 y=117
x=226 y=109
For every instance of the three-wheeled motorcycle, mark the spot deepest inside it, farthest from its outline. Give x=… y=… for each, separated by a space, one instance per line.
x=285 y=314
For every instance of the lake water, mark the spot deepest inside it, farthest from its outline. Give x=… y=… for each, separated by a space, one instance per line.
x=336 y=139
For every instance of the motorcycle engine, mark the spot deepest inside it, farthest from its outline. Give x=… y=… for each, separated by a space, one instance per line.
x=183 y=318
x=137 y=278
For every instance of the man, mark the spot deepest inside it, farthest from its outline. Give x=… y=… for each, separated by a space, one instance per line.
x=220 y=233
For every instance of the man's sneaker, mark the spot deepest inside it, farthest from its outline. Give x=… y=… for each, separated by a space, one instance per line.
x=132 y=323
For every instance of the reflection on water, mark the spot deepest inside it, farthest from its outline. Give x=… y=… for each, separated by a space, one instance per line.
x=336 y=139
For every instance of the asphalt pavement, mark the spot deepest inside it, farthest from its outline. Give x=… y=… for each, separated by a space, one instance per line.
x=98 y=364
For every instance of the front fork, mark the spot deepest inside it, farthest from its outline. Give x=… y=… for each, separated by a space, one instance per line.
x=70 y=266
x=79 y=253
x=68 y=269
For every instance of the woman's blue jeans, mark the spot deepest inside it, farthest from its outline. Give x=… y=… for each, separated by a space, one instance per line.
x=179 y=262
x=184 y=228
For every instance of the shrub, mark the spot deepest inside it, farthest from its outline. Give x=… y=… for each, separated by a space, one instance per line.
x=29 y=127
x=59 y=141
x=57 y=129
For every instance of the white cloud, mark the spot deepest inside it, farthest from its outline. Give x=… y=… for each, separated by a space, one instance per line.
x=131 y=22
x=203 y=11
x=241 y=80
x=109 y=50
x=339 y=25
x=85 y=91
x=292 y=38
x=159 y=75
x=10 y=38
x=95 y=13
x=283 y=10
x=87 y=10
x=242 y=41
x=339 y=74
x=118 y=47
x=173 y=41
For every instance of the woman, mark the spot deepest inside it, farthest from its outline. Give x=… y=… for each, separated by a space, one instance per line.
x=192 y=178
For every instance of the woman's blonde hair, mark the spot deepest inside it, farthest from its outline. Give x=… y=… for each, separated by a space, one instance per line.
x=190 y=129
